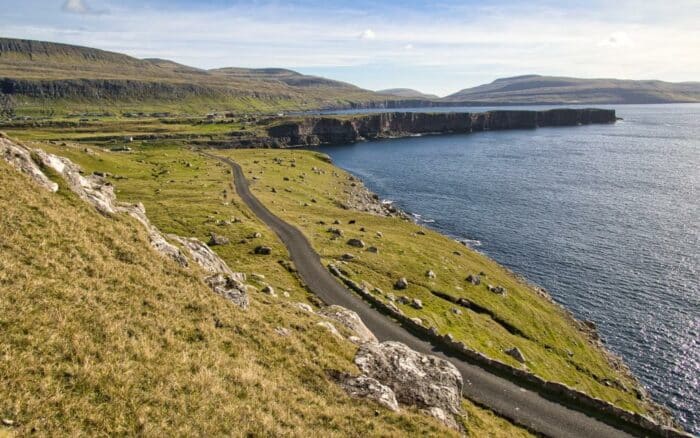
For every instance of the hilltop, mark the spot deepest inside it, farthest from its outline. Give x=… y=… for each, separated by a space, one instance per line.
x=48 y=79
x=66 y=78
x=536 y=89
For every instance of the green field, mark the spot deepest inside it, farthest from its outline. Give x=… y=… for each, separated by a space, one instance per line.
x=256 y=375
x=554 y=346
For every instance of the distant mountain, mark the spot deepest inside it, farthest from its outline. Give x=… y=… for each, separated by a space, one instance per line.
x=61 y=78
x=535 y=89
x=407 y=93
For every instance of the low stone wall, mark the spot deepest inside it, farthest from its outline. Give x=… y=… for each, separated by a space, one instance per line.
x=556 y=389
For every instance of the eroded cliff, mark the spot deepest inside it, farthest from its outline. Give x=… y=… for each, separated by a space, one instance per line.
x=339 y=129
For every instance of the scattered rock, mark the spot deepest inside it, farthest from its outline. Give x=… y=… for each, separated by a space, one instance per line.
x=516 y=354
x=416 y=303
x=215 y=239
x=420 y=232
x=356 y=243
x=263 y=250
x=430 y=274
x=349 y=319
x=500 y=290
x=269 y=290
x=257 y=235
x=456 y=311
x=8 y=422
x=417 y=321
x=372 y=389
x=373 y=249
x=229 y=288
x=401 y=283
x=257 y=277
x=474 y=279
x=380 y=234
x=305 y=307
x=335 y=231
x=347 y=256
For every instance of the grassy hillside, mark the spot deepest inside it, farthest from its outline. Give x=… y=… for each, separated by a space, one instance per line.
x=98 y=337
x=312 y=197
x=44 y=76
x=532 y=89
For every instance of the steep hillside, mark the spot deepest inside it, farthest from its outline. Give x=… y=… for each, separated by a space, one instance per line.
x=46 y=76
x=101 y=333
x=534 y=89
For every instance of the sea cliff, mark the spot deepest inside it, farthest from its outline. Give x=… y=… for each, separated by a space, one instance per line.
x=317 y=130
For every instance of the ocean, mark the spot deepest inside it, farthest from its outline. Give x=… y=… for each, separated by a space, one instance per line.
x=605 y=217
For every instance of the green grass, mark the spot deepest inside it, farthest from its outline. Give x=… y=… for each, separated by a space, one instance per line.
x=549 y=338
x=272 y=378
x=102 y=335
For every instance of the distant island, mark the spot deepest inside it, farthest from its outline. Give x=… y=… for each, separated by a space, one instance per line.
x=47 y=79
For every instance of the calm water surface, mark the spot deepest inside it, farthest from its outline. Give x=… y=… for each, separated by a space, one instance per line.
x=605 y=217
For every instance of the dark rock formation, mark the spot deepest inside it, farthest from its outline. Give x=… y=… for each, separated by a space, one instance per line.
x=311 y=131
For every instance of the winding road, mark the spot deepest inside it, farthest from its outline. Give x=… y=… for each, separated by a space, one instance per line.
x=517 y=402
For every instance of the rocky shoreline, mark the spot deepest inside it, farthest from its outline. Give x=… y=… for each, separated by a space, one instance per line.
x=362 y=199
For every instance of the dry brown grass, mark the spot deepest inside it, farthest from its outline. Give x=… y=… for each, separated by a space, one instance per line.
x=102 y=336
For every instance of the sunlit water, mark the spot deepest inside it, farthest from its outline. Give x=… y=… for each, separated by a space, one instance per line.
x=605 y=217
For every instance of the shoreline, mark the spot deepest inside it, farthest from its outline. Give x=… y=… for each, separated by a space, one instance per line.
x=586 y=327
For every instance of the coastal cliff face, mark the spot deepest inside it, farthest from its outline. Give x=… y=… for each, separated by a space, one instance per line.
x=338 y=130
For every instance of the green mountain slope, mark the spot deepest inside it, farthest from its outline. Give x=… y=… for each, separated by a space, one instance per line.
x=64 y=78
x=532 y=89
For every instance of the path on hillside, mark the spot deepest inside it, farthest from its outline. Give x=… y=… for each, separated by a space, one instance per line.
x=508 y=399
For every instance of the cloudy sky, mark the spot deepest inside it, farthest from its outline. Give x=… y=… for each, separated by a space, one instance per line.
x=434 y=46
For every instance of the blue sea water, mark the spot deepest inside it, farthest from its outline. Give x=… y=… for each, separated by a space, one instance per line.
x=605 y=217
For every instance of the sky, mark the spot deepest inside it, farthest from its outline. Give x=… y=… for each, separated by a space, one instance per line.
x=436 y=47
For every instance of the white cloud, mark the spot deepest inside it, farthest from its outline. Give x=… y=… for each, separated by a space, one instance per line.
x=491 y=42
x=76 y=7
x=368 y=34
x=617 y=39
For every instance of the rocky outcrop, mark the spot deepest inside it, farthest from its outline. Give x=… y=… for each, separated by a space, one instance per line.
x=311 y=131
x=427 y=382
x=99 y=193
x=20 y=158
x=369 y=388
x=349 y=319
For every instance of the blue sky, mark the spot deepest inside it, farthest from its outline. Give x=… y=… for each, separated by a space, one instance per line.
x=435 y=46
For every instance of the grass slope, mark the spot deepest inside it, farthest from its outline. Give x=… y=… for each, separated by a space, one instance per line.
x=59 y=78
x=550 y=340
x=101 y=335
x=536 y=89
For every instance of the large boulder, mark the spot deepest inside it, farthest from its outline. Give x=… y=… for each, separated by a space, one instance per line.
x=427 y=382
x=349 y=319
x=367 y=387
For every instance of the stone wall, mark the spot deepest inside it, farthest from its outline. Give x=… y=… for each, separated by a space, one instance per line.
x=556 y=389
